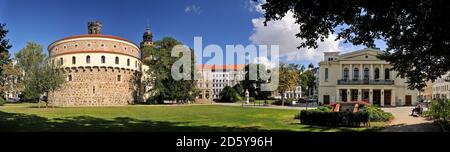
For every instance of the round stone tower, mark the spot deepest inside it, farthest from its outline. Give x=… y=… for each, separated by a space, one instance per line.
x=101 y=70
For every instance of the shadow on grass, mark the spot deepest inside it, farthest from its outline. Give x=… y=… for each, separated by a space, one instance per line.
x=16 y=122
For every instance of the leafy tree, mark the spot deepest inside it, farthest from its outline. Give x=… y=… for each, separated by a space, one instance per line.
x=8 y=74
x=40 y=77
x=254 y=86
x=163 y=86
x=228 y=94
x=10 y=79
x=416 y=31
x=4 y=45
x=30 y=57
x=239 y=89
x=288 y=80
x=308 y=80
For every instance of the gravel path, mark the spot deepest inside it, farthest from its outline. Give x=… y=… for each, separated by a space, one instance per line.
x=404 y=122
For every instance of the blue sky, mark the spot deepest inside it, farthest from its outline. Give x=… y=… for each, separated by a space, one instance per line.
x=219 y=22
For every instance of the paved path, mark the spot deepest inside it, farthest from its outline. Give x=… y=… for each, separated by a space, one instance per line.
x=404 y=122
x=261 y=106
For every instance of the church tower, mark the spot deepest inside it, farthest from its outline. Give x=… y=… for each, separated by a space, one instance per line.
x=147 y=38
x=147 y=41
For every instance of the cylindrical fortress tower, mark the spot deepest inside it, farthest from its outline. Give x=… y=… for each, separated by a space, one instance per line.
x=101 y=70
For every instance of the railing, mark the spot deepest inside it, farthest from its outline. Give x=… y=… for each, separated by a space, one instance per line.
x=365 y=82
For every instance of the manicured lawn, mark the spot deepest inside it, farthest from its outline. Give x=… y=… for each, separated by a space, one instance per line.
x=179 y=118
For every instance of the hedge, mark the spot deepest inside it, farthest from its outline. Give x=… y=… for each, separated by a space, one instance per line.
x=347 y=119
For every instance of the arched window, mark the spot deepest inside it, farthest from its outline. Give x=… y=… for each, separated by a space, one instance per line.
x=70 y=78
x=366 y=74
x=88 y=59
x=135 y=64
x=387 y=74
x=377 y=74
x=356 y=74
x=128 y=62
x=326 y=74
x=117 y=60
x=103 y=59
x=61 y=61
x=119 y=78
x=346 y=74
x=74 y=60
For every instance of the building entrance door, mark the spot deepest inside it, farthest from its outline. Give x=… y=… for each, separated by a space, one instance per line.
x=326 y=99
x=387 y=97
x=343 y=93
x=376 y=97
x=365 y=96
x=408 y=100
x=354 y=95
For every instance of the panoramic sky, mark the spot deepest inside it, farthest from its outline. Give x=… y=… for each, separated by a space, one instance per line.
x=219 y=22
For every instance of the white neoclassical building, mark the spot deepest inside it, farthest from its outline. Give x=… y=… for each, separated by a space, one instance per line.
x=441 y=87
x=361 y=76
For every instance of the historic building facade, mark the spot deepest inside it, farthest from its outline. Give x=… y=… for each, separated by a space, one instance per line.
x=441 y=87
x=101 y=70
x=213 y=78
x=361 y=76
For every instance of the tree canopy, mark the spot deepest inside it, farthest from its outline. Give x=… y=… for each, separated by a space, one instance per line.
x=416 y=31
x=163 y=85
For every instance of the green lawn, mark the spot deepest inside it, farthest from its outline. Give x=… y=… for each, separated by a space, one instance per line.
x=179 y=118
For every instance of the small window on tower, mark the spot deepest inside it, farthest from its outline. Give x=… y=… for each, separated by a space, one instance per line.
x=70 y=78
x=118 y=77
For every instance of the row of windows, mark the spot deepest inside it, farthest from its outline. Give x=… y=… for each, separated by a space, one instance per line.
x=441 y=88
x=356 y=76
x=70 y=78
x=88 y=60
x=89 y=45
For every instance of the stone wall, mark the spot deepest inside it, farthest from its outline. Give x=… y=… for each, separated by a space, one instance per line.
x=97 y=86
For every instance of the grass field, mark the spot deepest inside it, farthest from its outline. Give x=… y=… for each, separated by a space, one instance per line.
x=155 y=118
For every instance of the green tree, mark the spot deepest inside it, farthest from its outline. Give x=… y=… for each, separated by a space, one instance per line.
x=4 y=45
x=10 y=79
x=416 y=31
x=288 y=79
x=30 y=57
x=254 y=86
x=308 y=80
x=228 y=94
x=40 y=77
x=164 y=87
x=9 y=76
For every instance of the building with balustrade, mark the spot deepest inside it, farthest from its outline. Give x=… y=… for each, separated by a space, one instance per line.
x=361 y=76
x=101 y=70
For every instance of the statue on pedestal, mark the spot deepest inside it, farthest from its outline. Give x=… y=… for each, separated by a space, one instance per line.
x=247 y=97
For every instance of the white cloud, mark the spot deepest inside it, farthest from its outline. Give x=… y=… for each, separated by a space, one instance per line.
x=282 y=32
x=264 y=61
x=192 y=9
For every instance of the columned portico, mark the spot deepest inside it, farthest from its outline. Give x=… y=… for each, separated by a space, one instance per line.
x=361 y=76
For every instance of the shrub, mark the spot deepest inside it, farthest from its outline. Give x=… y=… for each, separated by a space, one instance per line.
x=228 y=94
x=376 y=114
x=325 y=108
x=320 y=118
x=251 y=99
x=279 y=102
x=440 y=110
x=2 y=101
